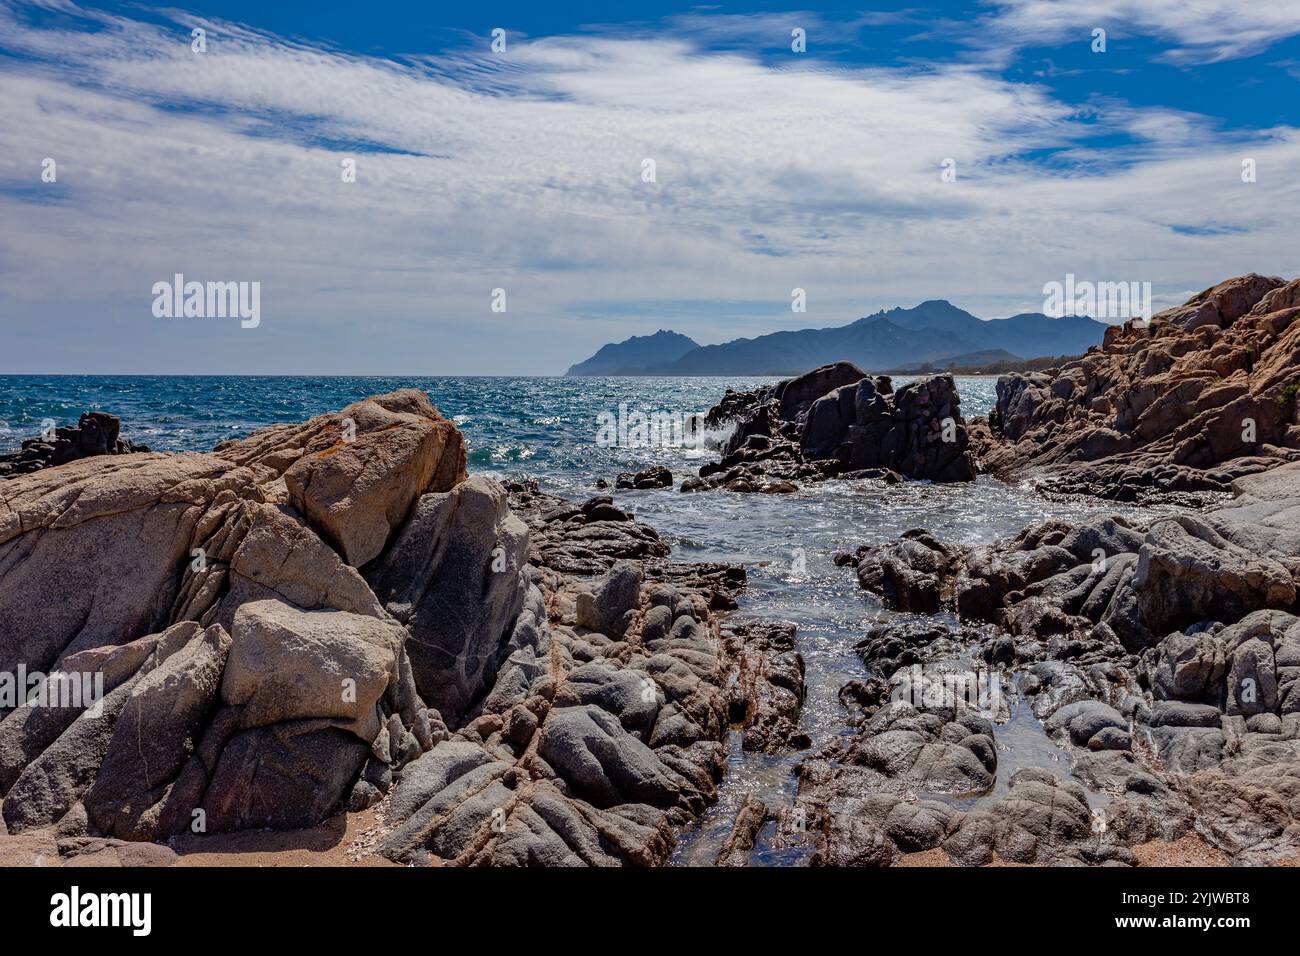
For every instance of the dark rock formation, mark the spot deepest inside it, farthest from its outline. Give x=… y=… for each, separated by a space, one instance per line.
x=750 y=818
x=918 y=434
x=247 y=669
x=654 y=477
x=914 y=573
x=96 y=433
x=607 y=733
x=835 y=422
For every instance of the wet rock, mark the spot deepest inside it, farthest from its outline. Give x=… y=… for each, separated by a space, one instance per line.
x=1042 y=819
x=797 y=395
x=1110 y=738
x=914 y=573
x=767 y=683
x=901 y=749
x=837 y=422
x=1084 y=719
x=653 y=477
x=887 y=648
x=750 y=818
x=577 y=540
x=917 y=432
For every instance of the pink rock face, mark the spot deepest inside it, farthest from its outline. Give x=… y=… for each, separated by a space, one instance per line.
x=354 y=475
x=108 y=564
x=90 y=552
x=1203 y=395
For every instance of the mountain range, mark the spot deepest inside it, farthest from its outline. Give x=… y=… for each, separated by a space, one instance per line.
x=934 y=332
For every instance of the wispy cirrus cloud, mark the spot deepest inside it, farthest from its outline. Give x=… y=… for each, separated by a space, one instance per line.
x=524 y=171
x=1200 y=31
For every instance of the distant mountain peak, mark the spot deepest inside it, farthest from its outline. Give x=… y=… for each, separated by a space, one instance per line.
x=930 y=332
x=636 y=353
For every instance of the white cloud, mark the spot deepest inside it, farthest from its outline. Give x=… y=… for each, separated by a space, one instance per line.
x=523 y=171
x=1202 y=30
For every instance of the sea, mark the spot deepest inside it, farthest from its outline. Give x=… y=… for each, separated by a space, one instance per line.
x=550 y=429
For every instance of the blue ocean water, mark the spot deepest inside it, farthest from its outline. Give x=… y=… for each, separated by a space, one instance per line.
x=548 y=429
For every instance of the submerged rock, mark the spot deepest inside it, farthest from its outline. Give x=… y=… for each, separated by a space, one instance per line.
x=917 y=432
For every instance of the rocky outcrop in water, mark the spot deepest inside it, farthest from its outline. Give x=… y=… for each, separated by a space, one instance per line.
x=96 y=433
x=836 y=422
x=654 y=477
x=916 y=431
x=1173 y=410
x=332 y=614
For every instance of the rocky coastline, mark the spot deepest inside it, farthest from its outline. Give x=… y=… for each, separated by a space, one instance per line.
x=335 y=618
x=1162 y=655
x=334 y=615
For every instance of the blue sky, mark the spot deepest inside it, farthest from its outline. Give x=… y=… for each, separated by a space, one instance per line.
x=523 y=170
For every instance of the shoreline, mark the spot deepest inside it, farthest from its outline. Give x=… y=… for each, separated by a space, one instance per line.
x=534 y=680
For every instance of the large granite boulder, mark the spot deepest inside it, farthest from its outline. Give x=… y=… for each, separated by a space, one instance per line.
x=243 y=672
x=795 y=396
x=275 y=628
x=354 y=475
x=92 y=552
